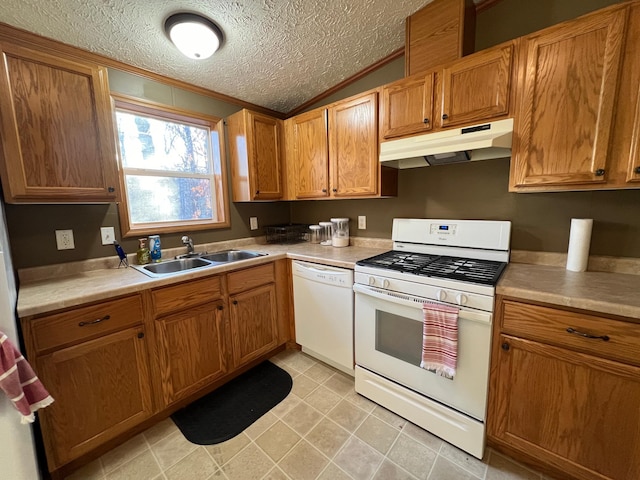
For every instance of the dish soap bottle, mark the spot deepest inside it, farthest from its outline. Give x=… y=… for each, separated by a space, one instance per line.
x=143 y=252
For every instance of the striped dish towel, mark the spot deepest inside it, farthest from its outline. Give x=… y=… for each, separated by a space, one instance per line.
x=440 y=339
x=19 y=382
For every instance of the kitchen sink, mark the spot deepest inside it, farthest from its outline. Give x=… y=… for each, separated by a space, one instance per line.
x=227 y=256
x=186 y=263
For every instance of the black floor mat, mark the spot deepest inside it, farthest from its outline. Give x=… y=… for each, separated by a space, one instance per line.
x=227 y=411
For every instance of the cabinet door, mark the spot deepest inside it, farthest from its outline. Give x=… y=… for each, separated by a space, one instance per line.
x=566 y=108
x=57 y=129
x=407 y=107
x=254 y=318
x=311 y=154
x=576 y=412
x=101 y=389
x=477 y=88
x=192 y=350
x=264 y=148
x=353 y=146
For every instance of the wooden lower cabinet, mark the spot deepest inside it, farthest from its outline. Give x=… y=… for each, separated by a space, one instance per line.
x=575 y=413
x=101 y=389
x=254 y=317
x=192 y=350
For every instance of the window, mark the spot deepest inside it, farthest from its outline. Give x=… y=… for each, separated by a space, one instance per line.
x=171 y=169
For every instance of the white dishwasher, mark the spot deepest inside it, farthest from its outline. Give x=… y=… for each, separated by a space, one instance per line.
x=323 y=306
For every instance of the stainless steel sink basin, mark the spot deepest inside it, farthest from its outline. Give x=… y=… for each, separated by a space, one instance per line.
x=172 y=266
x=227 y=256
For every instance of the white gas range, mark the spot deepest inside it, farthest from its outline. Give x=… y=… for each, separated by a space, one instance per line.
x=453 y=262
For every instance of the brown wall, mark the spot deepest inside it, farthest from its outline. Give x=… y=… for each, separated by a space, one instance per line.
x=32 y=227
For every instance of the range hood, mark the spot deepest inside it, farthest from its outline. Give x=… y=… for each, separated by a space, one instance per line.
x=477 y=142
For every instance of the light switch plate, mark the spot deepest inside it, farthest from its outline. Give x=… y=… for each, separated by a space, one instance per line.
x=64 y=240
x=108 y=235
x=362 y=222
x=253 y=223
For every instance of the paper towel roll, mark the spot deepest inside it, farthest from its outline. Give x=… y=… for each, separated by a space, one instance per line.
x=579 y=242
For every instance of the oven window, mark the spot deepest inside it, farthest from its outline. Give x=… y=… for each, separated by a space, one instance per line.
x=399 y=337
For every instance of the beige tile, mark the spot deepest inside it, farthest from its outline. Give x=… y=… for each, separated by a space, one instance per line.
x=333 y=472
x=300 y=362
x=91 y=471
x=390 y=471
x=282 y=357
x=340 y=383
x=223 y=452
x=328 y=437
x=360 y=401
x=413 y=456
x=286 y=405
x=463 y=459
x=303 y=386
x=446 y=470
x=123 y=453
x=323 y=399
x=376 y=433
x=389 y=417
x=358 y=459
x=160 y=430
x=258 y=427
x=319 y=372
x=250 y=464
x=218 y=475
x=347 y=415
x=275 y=474
x=293 y=373
x=142 y=467
x=302 y=418
x=424 y=437
x=303 y=462
x=195 y=466
x=277 y=440
x=171 y=449
x=503 y=468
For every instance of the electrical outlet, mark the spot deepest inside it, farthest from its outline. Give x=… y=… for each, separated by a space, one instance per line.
x=64 y=240
x=362 y=222
x=253 y=223
x=108 y=235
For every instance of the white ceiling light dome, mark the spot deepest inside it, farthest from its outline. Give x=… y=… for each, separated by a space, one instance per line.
x=195 y=36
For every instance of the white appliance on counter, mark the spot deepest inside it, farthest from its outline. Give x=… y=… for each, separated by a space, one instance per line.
x=453 y=262
x=17 y=450
x=323 y=308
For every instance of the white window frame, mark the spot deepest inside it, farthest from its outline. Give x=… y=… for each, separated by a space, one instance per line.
x=218 y=177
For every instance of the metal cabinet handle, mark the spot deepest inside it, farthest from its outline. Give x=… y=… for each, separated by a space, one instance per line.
x=604 y=338
x=335 y=189
x=111 y=189
x=235 y=302
x=93 y=322
x=257 y=192
x=637 y=170
x=426 y=120
x=599 y=172
x=505 y=346
x=324 y=190
x=141 y=335
x=220 y=307
x=445 y=116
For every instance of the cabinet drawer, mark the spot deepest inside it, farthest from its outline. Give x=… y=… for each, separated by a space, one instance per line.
x=185 y=295
x=85 y=322
x=550 y=325
x=250 y=278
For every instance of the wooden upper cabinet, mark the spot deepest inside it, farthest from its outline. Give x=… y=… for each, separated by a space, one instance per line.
x=565 y=116
x=58 y=140
x=310 y=154
x=406 y=106
x=255 y=152
x=353 y=146
x=442 y=31
x=477 y=88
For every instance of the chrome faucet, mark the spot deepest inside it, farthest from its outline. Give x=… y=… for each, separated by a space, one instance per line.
x=189 y=243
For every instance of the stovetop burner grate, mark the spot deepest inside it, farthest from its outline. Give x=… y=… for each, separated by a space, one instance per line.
x=485 y=272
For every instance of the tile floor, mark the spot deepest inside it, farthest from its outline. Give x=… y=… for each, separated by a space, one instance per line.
x=323 y=430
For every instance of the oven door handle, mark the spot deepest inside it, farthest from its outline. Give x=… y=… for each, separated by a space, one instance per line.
x=416 y=302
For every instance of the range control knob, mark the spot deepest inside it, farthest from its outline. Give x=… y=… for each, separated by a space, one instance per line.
x=442 y=295
x=461 y=299
x=372 y=281
x=385 y=283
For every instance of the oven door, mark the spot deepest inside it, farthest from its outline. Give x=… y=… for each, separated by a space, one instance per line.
x=388 y=341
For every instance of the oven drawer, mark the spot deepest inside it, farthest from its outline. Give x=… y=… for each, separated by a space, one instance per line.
x=607 y=338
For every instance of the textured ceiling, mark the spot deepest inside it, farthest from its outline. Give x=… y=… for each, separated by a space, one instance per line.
x=276 y=53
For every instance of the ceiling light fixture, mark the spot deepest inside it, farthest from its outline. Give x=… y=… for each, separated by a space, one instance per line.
x=195 y=36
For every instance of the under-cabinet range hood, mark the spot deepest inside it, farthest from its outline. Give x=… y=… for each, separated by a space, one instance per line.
x=477 y=142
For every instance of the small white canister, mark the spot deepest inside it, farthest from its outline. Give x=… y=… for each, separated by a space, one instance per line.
x=340 y=237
